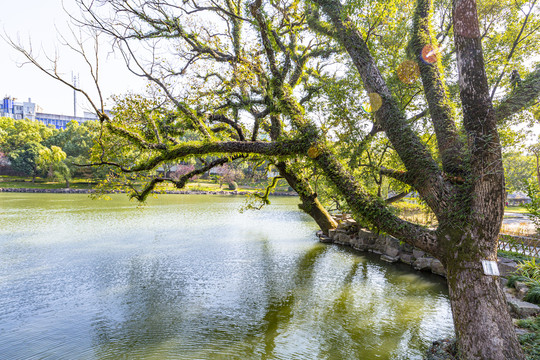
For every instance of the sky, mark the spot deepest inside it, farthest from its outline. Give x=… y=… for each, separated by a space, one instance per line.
x=39 y=21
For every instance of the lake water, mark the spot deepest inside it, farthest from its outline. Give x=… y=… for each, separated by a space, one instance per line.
x=190 y=277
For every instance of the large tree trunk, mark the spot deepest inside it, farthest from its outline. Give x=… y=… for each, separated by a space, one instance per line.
x=469 y=209
x=483 y=326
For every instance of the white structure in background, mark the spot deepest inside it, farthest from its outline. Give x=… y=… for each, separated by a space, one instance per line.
x=29 y=110
x=18 y=110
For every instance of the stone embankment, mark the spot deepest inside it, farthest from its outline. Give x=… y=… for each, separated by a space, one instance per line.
x=187 y=192
x=391 y=250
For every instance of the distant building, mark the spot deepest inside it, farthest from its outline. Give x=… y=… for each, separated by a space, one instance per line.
x=517 y=198
x=18 y=110
x=29 y=110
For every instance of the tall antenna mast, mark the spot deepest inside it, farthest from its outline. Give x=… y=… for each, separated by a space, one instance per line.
x=75 y=81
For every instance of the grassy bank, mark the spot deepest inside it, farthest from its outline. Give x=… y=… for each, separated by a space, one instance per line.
x=40 y=183
x=516 y=209
x=198 y=185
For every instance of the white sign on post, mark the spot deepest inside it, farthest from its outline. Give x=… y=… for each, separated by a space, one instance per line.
x=490 y=268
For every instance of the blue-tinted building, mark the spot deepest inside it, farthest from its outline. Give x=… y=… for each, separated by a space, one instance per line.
x=18 y=110
x=61 y=121
x=27 y=110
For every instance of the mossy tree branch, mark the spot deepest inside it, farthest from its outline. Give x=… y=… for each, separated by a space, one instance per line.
x=425 y=172
x=440 y=108
x=180 y=182
x=310 y=203
x=521 y=97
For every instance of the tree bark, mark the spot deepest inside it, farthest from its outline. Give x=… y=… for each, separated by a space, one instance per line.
x=483 y=326
x=310 y=204
x=440 y=107
x=521 y=96
x=473 y=294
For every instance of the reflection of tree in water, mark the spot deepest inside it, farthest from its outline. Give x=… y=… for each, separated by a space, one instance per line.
x=381 y=310
x=250 y=300
x=185 y=305
x=147 y=312
x=281 y=302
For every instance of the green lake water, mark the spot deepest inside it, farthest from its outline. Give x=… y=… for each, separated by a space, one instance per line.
x=190 y=277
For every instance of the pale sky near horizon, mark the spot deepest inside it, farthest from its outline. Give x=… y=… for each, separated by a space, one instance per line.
x=39 y=20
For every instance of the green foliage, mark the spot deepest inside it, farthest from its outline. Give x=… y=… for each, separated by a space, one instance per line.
x=58 y=150
x=531 y=341
x=530 y=269
x=528 y=272
x=512 y=280
x=76 y=139
x=50 y=158
x=518 y=257
x=416 y=211
x=404 y=207
x=25 y=160
x=233 y=185
x=15 y=134
x=518 y=169
x=533 y=295
x=533 y=191
x=53 y=161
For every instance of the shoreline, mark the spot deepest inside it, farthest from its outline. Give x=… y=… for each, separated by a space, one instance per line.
x=391 y=250
x=172 y=192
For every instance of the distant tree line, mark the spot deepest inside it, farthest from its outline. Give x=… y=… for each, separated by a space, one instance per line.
x=30 y=148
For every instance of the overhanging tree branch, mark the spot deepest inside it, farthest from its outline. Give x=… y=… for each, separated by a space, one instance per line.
x=279 y=148
x=522 y=96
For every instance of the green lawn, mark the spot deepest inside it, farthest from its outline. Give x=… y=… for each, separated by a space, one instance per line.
x=208 y=185
x=40 y=183
x=201 y=185
x=516 y=209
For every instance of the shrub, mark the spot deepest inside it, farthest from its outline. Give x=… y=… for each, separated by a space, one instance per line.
x=533 y=191
x=528 y=272
x=530 y=342
x=530 y=269
x=233 y=185
x=533 y=295
x=512 y=280
x=517 y=257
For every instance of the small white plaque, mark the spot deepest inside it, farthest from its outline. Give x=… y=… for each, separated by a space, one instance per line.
x=490 y=268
